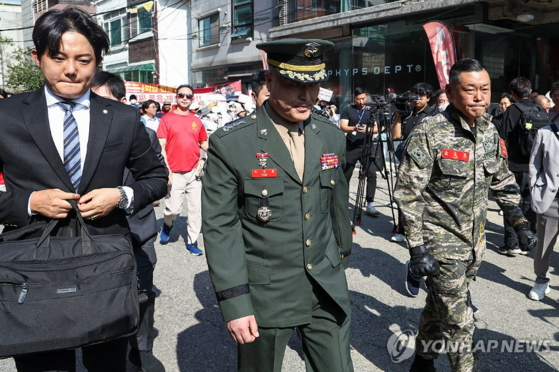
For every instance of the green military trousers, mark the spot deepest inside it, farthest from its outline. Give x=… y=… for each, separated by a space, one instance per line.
x=447 y=321
x=325 y=341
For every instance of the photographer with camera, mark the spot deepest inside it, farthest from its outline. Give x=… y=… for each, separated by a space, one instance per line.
x=403 y=124
x=402 y=127
x=354 y=122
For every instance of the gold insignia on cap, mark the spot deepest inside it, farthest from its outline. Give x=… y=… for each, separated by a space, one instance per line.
x=311 y=50
x=105 y=112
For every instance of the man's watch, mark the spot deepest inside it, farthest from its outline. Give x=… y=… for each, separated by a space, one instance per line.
x=123 y=202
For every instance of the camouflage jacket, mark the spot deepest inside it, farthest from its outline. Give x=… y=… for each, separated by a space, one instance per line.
x=443 y=181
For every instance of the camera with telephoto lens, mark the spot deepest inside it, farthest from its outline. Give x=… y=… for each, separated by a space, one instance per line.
x=402 y=104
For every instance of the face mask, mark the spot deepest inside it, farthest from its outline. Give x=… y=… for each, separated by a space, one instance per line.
x=441 y=108
x=133 y=101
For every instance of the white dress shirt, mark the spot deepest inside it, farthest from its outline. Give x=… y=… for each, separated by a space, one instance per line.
x=56 y=122
x=152 y=124
x=82 y=116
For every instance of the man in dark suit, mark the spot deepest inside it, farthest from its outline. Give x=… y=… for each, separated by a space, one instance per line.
x=63 y=143
x=143 y=227
x=275 y=217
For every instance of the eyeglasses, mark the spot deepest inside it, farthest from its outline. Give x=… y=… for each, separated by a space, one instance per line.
x=183 y=95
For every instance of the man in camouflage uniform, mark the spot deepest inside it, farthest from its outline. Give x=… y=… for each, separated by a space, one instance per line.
x=450 y=162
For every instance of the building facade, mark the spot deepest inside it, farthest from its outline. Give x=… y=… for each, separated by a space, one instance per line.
x=381 y=46
x=224 y=37
x=11 y=34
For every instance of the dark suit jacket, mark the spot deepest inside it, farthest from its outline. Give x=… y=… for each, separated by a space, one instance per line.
x=263 y=268
x=143 y=225
x=30 y=162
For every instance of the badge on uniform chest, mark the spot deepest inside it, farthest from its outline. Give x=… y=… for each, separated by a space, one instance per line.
x=264 y=213
x=329 y=161
x=263 y=172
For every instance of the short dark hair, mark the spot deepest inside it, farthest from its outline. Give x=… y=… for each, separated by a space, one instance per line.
x=358 y=91
x=147 y=104
x=507 y=95
x=112 y=81
x=438 y=93
x=257 y=81
x=185 y=86
x=423 y=89
x=133 y=96
x=521 y=87
x=463 y=65
x=50 y=27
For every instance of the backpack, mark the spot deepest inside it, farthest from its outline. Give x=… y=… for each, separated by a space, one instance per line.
x=532 y=119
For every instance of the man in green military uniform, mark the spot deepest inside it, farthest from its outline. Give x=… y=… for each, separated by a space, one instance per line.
x=275 y=220
x=450 y=162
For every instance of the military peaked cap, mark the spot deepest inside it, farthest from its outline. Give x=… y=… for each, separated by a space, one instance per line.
x=298 y=59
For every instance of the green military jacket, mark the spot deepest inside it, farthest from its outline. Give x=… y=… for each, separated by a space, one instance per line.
x=443 y=182
x=263 y=268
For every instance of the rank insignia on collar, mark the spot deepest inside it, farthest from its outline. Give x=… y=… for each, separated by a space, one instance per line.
x=264 y=213
x=264 y=132
x=313 y=126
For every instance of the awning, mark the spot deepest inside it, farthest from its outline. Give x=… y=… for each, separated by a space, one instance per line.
x=147 y=67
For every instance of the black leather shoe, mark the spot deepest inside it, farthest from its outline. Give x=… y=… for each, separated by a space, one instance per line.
x=146 y=361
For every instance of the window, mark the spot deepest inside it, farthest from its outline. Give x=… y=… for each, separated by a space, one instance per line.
x=115 y=24
x=140 y=21
x=208 y=29
x=40 y=6
x=242 y=19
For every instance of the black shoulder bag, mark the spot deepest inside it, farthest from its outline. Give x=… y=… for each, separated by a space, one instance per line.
x=60 y=292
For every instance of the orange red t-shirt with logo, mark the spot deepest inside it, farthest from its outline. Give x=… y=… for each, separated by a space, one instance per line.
x=183 y=134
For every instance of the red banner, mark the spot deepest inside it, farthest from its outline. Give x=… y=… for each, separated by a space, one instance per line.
x=443 y=49
x=159 y=93
x=145 y=91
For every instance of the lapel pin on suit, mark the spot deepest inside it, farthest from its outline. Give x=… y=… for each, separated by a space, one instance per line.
x=105 y=112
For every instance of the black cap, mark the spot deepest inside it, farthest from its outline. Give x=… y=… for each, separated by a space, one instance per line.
x=298 y=59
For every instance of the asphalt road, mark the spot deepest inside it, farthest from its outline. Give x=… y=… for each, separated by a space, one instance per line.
x=192 y=336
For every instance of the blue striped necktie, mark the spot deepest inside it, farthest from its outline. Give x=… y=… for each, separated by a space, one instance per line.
x=72 y=158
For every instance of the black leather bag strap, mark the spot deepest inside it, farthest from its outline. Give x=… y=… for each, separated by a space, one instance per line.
x=88 y=247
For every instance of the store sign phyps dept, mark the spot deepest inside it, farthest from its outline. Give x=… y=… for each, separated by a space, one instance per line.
x=377 y=70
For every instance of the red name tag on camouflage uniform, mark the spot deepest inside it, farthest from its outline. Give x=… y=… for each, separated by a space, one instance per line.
x=456 y=155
